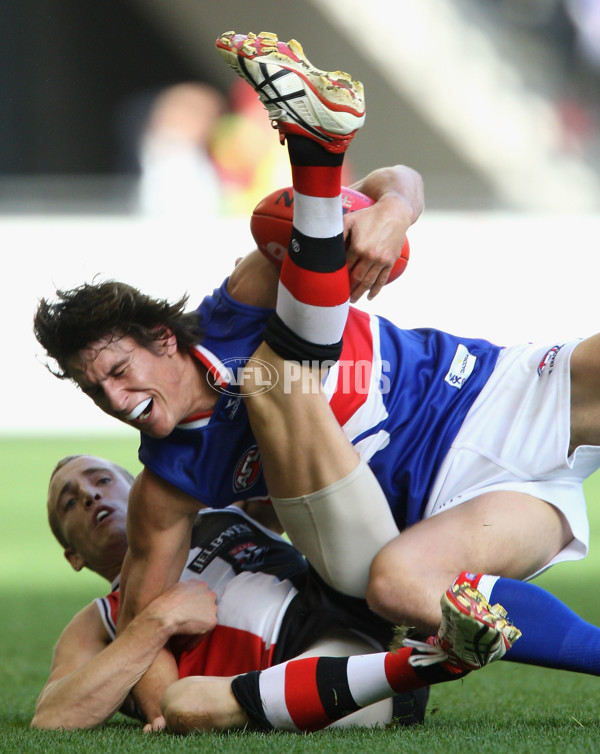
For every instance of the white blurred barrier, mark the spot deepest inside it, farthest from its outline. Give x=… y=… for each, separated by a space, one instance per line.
x=505 y=278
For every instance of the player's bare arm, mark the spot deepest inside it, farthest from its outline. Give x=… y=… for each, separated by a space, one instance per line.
x=375 y=236
x=254 y=281
x=91 y=675
x=159 y=525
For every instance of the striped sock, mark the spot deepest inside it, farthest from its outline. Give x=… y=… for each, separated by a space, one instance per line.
x=310 y=693
x=314 y=289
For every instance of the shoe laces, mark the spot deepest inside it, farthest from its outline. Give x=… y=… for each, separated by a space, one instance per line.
x=429 y=654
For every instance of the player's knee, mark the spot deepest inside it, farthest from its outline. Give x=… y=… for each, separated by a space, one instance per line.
x=391 y=592
x=379 y=596
x=184 y=710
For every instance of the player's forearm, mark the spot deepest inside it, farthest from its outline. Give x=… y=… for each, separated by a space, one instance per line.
x=159 y=526
x=149 y=574
x=141 y=582
x=92 y=693
x=149 y=691
x=398 y=182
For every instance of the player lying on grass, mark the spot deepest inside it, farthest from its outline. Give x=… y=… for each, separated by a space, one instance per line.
x=270 y=608
x=480 y=450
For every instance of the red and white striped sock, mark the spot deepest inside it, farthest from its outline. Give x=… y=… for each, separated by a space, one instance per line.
x=314 y=289
x=310 y=693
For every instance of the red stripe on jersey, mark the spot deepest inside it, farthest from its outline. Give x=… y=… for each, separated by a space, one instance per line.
x=302 y=695
x=196 y=417
x=225 y=651
x=315 y=288
x=111 y=604
x=399 y=673
x=113 y=601
x=355 y=368
x=317 y=180
x=213 y=369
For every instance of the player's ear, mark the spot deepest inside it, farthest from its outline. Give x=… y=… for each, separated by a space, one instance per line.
x=76 y=561
x=170 y=342
x=166 y=341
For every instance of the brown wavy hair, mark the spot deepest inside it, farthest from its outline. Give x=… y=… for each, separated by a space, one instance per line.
x=83 y=315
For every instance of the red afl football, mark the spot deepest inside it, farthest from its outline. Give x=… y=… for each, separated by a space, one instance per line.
x=271 y=224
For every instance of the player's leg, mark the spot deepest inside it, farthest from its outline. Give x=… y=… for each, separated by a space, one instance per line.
x=317 y=114
x=328 y=500
x=506 y=533
x=298 y=695
x=553 y=635
x=501 y=538
x=208 y=703
x=585 y=393
x=202 y=703
x=303 y=450
x=310 y=693
x=322 y=686
x=344 y=644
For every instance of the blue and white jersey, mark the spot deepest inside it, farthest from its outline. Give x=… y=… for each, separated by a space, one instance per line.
x=216 y=459
x=400 y=396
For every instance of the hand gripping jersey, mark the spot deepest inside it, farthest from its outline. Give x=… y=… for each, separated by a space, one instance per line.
x=400 y=396
x=256 y=576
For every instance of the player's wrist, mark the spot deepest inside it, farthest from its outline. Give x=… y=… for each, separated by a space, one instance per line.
x=159 y=621
x=397 y=205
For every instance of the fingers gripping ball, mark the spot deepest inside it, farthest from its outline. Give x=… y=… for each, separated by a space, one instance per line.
x=271 y=225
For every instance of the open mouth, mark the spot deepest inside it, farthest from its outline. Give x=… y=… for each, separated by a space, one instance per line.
x=141 y=412
x=101 y=514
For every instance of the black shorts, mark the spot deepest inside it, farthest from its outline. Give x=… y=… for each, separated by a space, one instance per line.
x=319 y=609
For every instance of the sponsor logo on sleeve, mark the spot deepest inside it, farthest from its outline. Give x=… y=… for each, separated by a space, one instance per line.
x=461 y=368
x=547 y=361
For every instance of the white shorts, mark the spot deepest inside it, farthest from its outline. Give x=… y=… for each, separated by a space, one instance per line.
x=516 y=437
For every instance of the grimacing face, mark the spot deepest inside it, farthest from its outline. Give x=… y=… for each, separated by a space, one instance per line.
x=87 y=500
x=151 y=391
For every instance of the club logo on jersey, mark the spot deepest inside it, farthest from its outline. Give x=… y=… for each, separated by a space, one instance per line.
x=248 y=556
x=222 y=545
x=548 y=360
x=461 y=368
x=247 y=469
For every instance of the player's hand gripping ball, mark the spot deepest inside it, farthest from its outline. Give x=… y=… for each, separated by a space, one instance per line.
x=271 y=225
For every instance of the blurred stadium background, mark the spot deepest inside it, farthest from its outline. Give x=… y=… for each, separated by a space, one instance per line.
x=495 y=102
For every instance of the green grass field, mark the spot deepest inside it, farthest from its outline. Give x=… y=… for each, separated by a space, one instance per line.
x=504 y=708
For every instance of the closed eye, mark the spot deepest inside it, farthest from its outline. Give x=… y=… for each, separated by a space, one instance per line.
x=92 y=391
